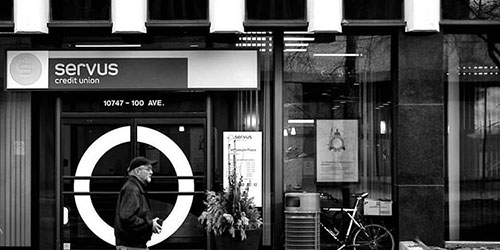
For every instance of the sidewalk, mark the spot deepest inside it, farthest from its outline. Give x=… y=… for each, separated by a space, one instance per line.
x=472 y=245
x=450 y=245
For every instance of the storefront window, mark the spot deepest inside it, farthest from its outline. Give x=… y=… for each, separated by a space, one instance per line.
x=276 y=10
x=6 y=10
x=86 y=10
x=369 y=9
x=187 y=117
x=178 y=10
x=471 y=9
x=337 y=101
x=473 y=77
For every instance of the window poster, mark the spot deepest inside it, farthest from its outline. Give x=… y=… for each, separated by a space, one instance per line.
x=337 y=151
x=243 y=152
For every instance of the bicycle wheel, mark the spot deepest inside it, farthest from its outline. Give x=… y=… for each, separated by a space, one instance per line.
x=373 y=237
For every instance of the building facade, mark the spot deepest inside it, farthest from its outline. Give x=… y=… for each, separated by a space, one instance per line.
x=396 y=98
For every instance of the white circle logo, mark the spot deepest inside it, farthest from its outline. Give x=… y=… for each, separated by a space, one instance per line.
x=25 y=69
x=116 y=137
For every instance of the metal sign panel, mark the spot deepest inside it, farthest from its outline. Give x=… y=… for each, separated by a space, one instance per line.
x=122 y=70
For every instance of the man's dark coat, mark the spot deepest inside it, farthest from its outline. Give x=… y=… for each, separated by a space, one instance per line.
x=133 y=218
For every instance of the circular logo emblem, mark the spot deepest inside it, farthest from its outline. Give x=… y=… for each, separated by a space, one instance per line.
x=25 y=69
x=116 y=137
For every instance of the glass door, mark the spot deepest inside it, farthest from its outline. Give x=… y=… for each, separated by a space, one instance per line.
x=177 y=190
x=95 y=154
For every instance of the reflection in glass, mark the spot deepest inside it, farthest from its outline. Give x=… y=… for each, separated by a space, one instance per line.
x=345 y=77
x=370 y=9
x=471 y=9
x=178 y=9
x=276 y=10
x=75 y=140
x=337 y=91
x=473 y=78
x=81 y=9
x=6 y=10
x=164 y=187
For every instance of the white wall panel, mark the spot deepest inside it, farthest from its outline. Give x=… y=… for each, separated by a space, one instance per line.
x=129 y=16
x=31 y=16
x=324 y=15
x=226 y=16
x=422 y=15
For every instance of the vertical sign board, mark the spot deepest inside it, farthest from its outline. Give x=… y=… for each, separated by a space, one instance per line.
x=127 y=70
x=337 y=151
x=243 y=153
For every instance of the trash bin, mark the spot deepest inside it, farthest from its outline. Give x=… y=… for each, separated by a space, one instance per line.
x=302 y=211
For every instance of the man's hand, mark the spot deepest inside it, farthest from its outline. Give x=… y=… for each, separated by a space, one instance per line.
x=156 y=226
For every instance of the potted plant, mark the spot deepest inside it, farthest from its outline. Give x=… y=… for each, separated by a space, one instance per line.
x=232 y=217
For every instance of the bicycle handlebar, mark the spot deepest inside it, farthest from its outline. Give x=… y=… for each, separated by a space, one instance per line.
x=360 y=195
x=327 y=196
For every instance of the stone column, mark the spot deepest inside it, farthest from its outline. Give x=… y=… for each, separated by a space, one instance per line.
x=419 y=140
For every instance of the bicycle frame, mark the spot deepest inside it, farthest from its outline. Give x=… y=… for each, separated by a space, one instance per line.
x=351 y=212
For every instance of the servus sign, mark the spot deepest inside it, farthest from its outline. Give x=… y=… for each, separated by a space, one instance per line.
x=153 y=70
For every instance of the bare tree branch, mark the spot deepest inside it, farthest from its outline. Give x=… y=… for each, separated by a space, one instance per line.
x=493 y=51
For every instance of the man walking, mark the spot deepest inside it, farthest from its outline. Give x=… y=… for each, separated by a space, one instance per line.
x=134 y=224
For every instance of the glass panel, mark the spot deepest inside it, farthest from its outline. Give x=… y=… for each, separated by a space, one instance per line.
x=6 y=10
x=370 y=9
x=242 y=110
x=471 y=9
x=76 y=139
x=337 y=135
x=191 y=140
x=473 y=77
x=108 y=177
x=81 y=9
x=337 y=115
x=178 y=9
x=43 y=168
x=276 y=10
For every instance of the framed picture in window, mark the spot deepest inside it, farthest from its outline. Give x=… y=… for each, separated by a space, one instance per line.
x=337 y=150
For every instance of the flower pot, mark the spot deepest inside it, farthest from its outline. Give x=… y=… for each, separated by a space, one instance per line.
x=227 y=242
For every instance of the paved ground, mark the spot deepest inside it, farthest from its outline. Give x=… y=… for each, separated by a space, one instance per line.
x=417 y=244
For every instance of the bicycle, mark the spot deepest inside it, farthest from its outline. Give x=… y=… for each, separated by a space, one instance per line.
x=372 y=236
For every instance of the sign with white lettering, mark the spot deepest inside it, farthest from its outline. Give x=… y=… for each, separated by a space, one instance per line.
x=154 y=73
x=243 y=153
x=122 y=70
